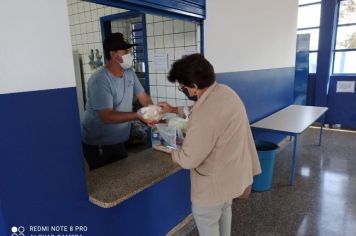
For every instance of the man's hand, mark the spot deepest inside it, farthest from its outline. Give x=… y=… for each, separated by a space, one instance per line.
x=149 y=123
x=167 y=108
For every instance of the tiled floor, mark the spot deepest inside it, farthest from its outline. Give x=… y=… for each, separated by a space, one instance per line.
x=323 y=199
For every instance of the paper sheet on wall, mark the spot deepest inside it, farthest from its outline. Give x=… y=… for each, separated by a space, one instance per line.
x=345 y=86
x=161 y=62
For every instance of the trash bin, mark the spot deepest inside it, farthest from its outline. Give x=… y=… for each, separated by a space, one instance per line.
x=267 y=155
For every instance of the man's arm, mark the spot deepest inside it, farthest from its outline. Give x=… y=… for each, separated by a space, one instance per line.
x=110 y=116
x=144 y=99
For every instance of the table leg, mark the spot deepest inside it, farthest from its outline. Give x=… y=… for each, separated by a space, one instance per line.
x=321 y=129
x=293 y=159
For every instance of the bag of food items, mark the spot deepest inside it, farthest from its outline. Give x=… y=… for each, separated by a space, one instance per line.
x=171 y=133
x=151 y=112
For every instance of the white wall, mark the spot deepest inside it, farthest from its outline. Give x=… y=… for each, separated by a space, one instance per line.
x=35 y=46
x=245 y=35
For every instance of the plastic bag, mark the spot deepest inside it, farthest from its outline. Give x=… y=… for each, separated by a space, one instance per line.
x=171 y=136
x=151 y=112
x=180 y=123
x=168 y=134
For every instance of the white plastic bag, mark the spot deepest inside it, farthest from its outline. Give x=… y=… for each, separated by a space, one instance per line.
x=151 y=112
x=180 y=123
x=168 y=134
x=171 y=135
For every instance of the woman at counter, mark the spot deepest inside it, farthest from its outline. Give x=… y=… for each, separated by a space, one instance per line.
x=218 y=148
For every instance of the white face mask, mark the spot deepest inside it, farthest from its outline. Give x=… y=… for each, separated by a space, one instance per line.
x=127 y=61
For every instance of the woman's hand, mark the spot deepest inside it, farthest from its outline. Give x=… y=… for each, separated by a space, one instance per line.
x=167 y=108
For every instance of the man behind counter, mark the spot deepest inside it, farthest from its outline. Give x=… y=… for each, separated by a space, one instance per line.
x=111 y=89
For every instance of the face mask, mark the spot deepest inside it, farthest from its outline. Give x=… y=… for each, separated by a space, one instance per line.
x=127 y=61
x=193 y=98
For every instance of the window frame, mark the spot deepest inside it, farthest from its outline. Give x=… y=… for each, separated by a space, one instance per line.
x=311 y=28
x=137 y=54
x=335 y=42
x=337 y=25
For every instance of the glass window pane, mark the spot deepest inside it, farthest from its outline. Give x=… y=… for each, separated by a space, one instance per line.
x=344 y=62
x=347 y=12
x=314 y=38
x=309 y=16
x=346 y=37
x=312 y=62
x=301 y=2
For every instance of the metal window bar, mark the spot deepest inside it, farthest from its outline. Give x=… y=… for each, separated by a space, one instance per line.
x=137 y=38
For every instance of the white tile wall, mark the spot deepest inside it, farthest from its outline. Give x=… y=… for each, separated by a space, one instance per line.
x=178 y=37
x=178 y=26
x=157 y=18
x=179 y=40
x=161 y=79
x=165 y=35
x=158 y=28
x=161 y=92
x=153 y=81
x=171 y=92
x=168 y=41
x=149 y=29
x=168 y=27
x=159 y=41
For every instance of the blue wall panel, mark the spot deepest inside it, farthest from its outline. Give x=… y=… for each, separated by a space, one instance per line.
x=152 y=212
x=157 y=209
x=263 y=92
x=301 y=69
x=2 y=222
x=342 y=106
x=42 y=181
x=326 y=39
x=311 y=90
x=41 y=147
x=322 y=86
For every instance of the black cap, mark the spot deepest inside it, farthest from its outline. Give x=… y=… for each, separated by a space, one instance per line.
x=116 y=42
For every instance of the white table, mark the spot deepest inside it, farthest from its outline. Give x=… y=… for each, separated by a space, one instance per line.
x=292 y=121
